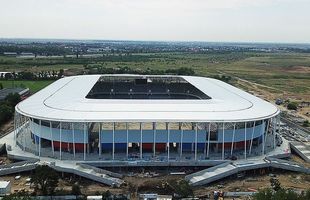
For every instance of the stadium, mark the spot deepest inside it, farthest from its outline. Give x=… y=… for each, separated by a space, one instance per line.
x=159 y=118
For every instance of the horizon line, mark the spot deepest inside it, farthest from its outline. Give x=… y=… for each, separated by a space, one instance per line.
x=164 y=41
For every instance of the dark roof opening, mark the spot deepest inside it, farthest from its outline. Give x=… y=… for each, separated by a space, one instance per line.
x=144 y=87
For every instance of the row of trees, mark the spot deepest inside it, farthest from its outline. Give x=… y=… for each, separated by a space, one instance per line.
x=41 y=49
x=127 y=70
x=276 y=192
x=27 y=75
x=7 y=107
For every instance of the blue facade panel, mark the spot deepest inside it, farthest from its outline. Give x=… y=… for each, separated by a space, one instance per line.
x=106 y=146
x=187 y=146
x=66 y=135
x=120 y=146
x=200 y=146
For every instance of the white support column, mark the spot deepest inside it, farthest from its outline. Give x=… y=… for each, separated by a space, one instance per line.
x=27 y=131
x=141 y=142
x=113 y=142
x=99 y=137
x=52 y=140
x=250 y=151
x=88 y=145
x=279 y=124
x=16 y=128
x=267 y=130
x=84 y=140
x=127 y=140
x=34 y=136
x=15 y=131
x=73 y=137
x=263 y=137
x=274 y=132
x=209 y=133
x=233 y=140
x=245 y=140
x=182 y=135
x=22 y=130
x=168 y=135
x=60 y=132
x=154 y=139
x=223 y=142
x=196 y=138
x=205 y=145
x=40 y=138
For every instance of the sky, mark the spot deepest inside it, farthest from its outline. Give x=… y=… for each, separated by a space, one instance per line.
x=280 y=21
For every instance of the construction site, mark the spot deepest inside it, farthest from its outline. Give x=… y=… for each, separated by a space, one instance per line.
x=236 y=179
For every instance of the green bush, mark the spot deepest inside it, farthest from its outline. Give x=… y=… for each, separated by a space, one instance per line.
x=6 y=112
x=76 y=189
x=292 y=106
x=281 y=194
x=306 y=123
x=13 y=99
x=182 y=188
x=45 y=179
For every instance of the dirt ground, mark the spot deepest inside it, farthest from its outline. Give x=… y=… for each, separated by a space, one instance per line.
x=271 y=94
x=253 y=180
x=18 y=184
x=7 y=127
x=4 y=160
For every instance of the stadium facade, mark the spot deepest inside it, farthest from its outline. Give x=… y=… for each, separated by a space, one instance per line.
x=151 y=117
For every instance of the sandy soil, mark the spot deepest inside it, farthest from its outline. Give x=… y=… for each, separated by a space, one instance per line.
x=252 y=180
x=262 y=92
x=6 y=127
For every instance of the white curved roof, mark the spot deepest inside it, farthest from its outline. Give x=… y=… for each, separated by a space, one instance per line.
x=64 y=100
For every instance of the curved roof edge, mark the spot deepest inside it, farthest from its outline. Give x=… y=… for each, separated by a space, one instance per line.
x=64 y=100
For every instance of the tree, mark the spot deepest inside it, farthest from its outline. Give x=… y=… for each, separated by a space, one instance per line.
x=76 y=189
x=22 y=195
x=45 y=179
x=275 y=184
x=26 y=75
x=305 y=123
x=6 y=112
x=106 y=195
x=281 y=194
x=182 y=188
x=8 y=76
x=292 y=106
x=13 y=99
x=61 y=73
x=265 y=194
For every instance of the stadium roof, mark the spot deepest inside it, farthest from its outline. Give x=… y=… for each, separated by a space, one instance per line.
x=65 y=100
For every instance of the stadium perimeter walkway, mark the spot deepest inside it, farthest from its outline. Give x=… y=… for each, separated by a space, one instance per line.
x=220 y=170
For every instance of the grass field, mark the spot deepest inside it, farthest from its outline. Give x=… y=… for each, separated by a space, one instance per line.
x=282 y=73
x=34 y=86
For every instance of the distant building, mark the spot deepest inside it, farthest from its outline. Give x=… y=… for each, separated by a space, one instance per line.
x=3 y=74
x=97 y=50
x=154 y=197
x=27 y=54
x=5 y=187
x=10 y=53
